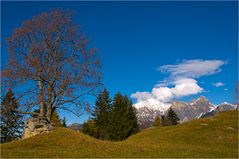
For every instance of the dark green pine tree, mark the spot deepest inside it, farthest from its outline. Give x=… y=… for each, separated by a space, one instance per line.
x=11 y=121
x=172 y=117
x=89 y=128
x=100 y=114
x=63 y=122
x=122 y=118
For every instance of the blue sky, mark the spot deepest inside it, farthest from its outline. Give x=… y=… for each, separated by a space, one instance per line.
x=135 y=39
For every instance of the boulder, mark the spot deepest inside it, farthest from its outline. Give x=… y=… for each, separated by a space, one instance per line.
x=37 y=125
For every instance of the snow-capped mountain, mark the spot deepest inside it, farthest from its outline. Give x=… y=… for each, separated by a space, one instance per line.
x=190 y=110
x=154 y=104
x=201 y=107
x=221 y=107
x=148 y=110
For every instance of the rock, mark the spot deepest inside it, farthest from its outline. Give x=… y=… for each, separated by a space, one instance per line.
x=230 y=128
x=37 y=125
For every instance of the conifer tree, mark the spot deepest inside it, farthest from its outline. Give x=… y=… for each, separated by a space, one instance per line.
x=172 y=117
x=157 y=121
x=122 y=118
x=63 y=122
x=56 y=119
x=100 y=114
x=89 y=128
x=11 y=121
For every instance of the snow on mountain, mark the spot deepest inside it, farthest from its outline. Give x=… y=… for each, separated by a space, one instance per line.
x=153 y=104
x=148 y=109
x=221 y=107
x=190 y=110
x=225 y=104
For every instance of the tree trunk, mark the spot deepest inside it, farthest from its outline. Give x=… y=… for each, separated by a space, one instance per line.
x=48 y=113
x=41 y=99
x=48 y=106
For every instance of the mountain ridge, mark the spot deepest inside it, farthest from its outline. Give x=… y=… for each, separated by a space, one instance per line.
x=196 y=108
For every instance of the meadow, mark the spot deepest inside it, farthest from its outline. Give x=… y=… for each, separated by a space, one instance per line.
x=213 y=137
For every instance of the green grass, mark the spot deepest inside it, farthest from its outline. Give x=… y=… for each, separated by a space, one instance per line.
x=215 y=137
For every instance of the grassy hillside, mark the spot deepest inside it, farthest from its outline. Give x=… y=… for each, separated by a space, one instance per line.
x=210 y=137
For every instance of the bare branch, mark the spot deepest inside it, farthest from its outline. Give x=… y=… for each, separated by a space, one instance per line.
x=29 y=113
x=51 y=54
x=76 y=114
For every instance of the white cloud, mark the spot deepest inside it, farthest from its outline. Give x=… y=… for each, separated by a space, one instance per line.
x=163 y=94
x=183 y=87
x=218 y=84
x=141 y=96
x=182 y=80
x=193 y=68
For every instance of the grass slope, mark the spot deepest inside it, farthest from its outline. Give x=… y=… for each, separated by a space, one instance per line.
x=210 y=137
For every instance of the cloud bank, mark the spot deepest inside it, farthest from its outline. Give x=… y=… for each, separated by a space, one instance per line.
x=181 y=80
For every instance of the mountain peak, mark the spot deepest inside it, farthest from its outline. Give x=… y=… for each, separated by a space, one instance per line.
x=225 y=103
x=202 y=98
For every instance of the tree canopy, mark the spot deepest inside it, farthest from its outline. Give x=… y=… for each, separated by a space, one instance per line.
x=51 y=64
x=112 y=120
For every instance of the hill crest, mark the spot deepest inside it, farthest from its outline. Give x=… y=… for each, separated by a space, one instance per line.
x=208 y=137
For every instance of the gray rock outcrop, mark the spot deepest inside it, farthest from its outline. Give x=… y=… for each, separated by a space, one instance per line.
x=37 y=125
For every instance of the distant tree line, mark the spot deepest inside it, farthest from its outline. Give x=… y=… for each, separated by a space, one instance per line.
x=112 y=119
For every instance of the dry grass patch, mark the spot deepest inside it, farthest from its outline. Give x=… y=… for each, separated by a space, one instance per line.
x=215 y=137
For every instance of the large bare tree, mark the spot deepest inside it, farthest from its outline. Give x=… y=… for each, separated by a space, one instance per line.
x=51 y=64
